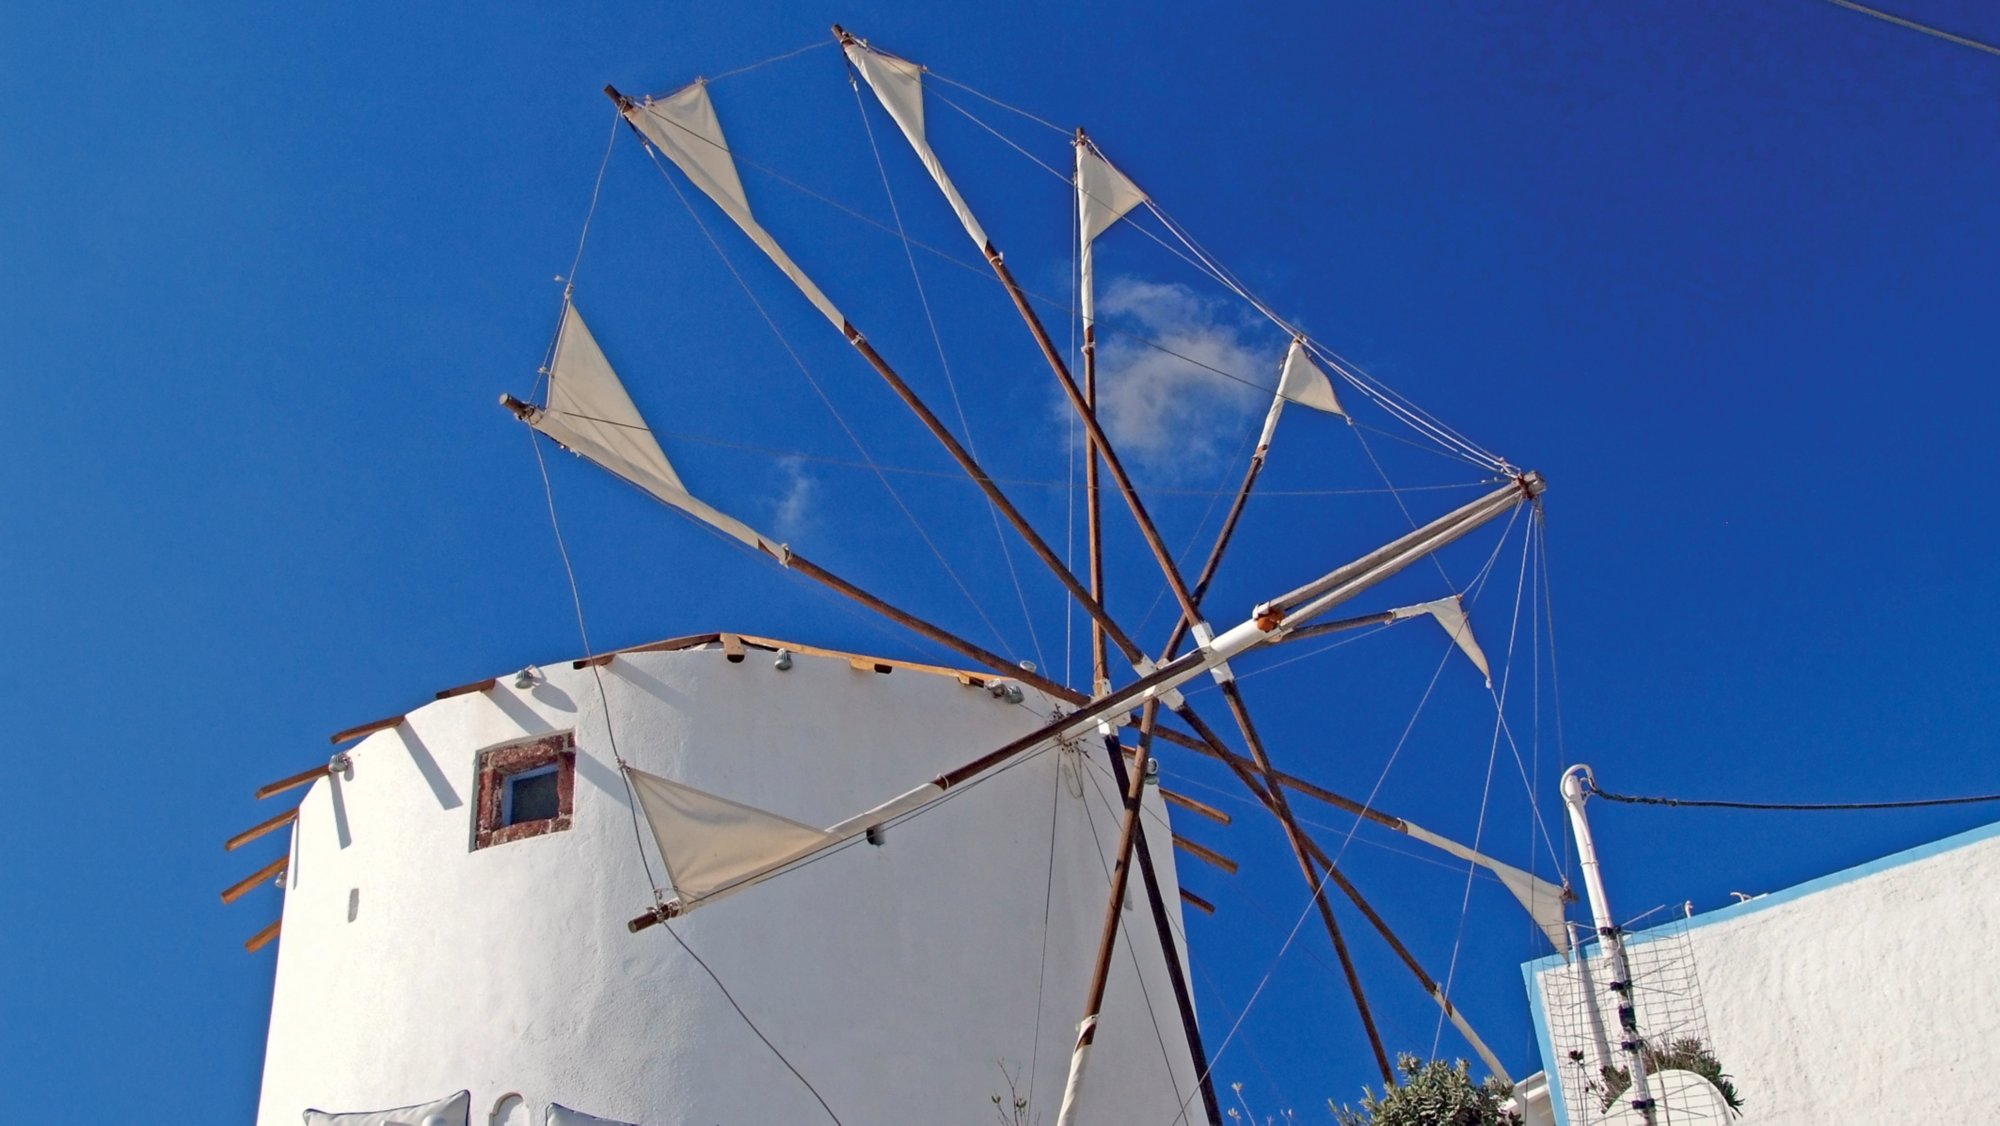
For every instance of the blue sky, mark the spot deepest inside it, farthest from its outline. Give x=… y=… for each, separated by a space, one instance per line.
x=1723 y=272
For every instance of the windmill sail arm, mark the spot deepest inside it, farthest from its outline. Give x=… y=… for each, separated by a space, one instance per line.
x=1261 y=629
x=1345 y=582
x=683 y=127
x=1542 y=899
x=898 y=85
x=580 y=443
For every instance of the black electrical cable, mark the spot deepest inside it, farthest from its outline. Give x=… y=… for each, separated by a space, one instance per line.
x=1809 y=807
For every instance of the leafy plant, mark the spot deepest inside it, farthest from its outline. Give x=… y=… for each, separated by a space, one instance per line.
x=1687 y=1053
x=1433 y=1093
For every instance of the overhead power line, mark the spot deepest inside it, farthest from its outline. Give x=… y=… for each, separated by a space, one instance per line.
x=1804 y=807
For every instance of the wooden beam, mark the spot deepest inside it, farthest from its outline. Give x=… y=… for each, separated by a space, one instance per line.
x=1203 y=852
x=258 y=830
x=292 y=783
x=963 y=676
x=1193 y=806
x=671 y=643
x=1197 y=902
x=732 y=648
x=263 y=937
x=469 y=689
x=242 y=887
x=369 y=728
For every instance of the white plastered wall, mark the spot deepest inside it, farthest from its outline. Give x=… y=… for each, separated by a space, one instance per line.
x=1867 y=996
x=897 y=979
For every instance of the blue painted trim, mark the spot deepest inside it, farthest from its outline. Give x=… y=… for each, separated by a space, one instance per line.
x=1538 y=1009
x=1533 y=971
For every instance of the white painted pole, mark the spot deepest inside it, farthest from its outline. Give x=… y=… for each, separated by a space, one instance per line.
x=1576 y=785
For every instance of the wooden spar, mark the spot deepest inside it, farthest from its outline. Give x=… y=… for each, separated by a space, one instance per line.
x=976 y=653
x=1092 y=483
x=1344 y=582
x=949 y=640
x=1222 y=538
x=1096 y=433
x=258 y=830
x=1304 y=633
x=1129 y=832
x=1098 y=615
x=242 y=887
x=1259 y=630
x=1170 y=954
x=959 y=454
x=1197 y=902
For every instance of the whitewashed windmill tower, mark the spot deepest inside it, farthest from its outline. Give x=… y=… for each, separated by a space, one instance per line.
x=742 y=880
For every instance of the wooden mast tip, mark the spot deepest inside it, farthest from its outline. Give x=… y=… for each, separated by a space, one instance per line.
x=610 y=91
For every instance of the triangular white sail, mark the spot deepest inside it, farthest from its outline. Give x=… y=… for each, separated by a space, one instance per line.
x=898 y=85
x=1450 y=613
x=1543 y=899
x=683 y=126
x=1103 y=196
x=1301 y=381
x=590 y=414
x=711 y=844
x=1304 y=383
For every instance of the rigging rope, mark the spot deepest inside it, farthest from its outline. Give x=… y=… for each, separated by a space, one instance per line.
x=1913 y=25
x=778 y=58
x=1486 y=792
x=632 y=798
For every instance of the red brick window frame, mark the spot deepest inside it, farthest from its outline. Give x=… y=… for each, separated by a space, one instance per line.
x=529 y=757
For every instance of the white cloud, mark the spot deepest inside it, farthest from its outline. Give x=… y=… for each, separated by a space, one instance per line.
x=1166 y=413
x=794 y=507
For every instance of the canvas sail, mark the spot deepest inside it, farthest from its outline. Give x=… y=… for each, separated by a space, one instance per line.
x=591 y=415
x=1300 y=381
x=1450 y=613
x=684 y=128
x=711 y=844
x=1103 y=196
x=1543 y=899
x=898 y=85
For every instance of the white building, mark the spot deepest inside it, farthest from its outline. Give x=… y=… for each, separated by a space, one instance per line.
x=458 y=893
x=1867 y=996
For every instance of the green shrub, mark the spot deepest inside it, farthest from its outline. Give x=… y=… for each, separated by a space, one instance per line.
x=1431 y=1094
x=1685 y=1054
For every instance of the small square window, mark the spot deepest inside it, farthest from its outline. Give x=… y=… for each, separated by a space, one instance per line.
x=530 y=796
x=526 y=789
